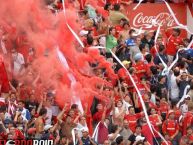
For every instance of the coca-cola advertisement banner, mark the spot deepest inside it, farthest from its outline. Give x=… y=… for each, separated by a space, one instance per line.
x=147 y=14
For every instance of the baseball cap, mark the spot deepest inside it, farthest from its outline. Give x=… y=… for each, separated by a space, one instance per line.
x=130 y=42
x=190 y=52
x=84 y=129
x=125 y=62
x=47 y=127
x=138 y=56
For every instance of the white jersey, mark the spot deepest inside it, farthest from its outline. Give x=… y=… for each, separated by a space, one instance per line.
x=18 y=62
x=174 y=87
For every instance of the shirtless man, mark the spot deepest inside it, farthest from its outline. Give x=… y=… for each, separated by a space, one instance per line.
x=39 y=123
x=124 y=35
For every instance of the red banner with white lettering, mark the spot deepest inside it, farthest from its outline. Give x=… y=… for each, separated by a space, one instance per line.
x=147 y=14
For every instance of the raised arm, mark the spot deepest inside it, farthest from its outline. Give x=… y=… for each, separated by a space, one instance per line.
x=115 y=134
x=54 y=128
x=16 y=116
x=41 y=104
x=104 y=114
x=77 y=118
x=62 y=113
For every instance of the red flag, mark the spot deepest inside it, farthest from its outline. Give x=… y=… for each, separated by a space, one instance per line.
x=4 y=82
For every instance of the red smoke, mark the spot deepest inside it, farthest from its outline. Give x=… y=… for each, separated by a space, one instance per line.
x=43 y=30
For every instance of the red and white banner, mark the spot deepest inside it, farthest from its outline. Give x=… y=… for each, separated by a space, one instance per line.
x=149 y=16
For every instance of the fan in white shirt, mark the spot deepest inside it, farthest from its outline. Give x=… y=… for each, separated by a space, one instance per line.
x=119 y=110
x=18 y=62
x=81 y=125
x=174 y=87
x=184 y=105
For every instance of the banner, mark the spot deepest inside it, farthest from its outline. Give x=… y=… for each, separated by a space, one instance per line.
x=149 y=16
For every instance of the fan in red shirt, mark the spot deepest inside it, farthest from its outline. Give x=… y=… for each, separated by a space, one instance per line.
x=174 y=40
x=171 y=127
x=104 y=11
x=119 y=27
x=122 y=73
x=132 y=118
x=135 y=78
x=158 y=43
x=4 y=82
x=16 y=133
x=190 y=134
x=155 y=120
x=146 y=131
x=103 y=128
x=139 y=66
x=150 y=63
x=177 y=111
x=188 y=118
x=98 y=115
x=143 y=86
x=164 y=107
x=147 y=102
x=167 y=138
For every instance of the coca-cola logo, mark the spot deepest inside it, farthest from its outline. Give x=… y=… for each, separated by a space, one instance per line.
x=141 y=20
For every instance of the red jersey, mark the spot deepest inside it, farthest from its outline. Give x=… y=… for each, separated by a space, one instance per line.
x=98 y=115
x=177 y=114
x=164 y=107
x=187 y=121
x=142 y=88
x=103 y=12
x=170 y=127
x=154 y=119
x=148 y=104
x=149 y=65
x=146 y=132
x=118 y=29
x=140 y=66
x=130 y=84
x=95 y=33
x=153 y=51
x=132 y=120
x=4 y=81
x=18 y=134
x=172 y=43
x=190 y=138
x=122 y=73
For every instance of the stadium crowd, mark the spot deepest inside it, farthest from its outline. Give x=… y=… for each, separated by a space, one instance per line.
x=168 y=103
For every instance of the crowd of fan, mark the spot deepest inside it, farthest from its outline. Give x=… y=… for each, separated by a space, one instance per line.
x=122 y=121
